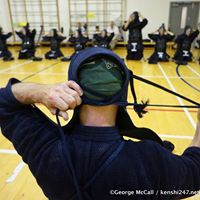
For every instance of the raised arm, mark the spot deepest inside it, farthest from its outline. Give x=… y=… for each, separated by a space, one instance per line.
x=24 y=124
x=180 y=175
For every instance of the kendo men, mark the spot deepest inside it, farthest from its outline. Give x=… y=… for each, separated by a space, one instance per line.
x=184 y=41
x=135 y=42
x=103 y=40
x=4 y=52
x=28 y=42
x=55 y=40
x=160 y=37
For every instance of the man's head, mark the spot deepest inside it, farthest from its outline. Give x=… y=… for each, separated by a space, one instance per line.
x=104 y=79
x=161 y=30
x=53 y=32
x=188 y=30
x=104 y=33
x=112 y=24
x=135 y=16
x=102 y=75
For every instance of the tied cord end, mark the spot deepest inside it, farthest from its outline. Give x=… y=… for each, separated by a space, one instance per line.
x=140 y=108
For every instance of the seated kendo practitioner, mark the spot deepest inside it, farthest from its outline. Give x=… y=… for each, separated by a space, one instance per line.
x=55 y=38
x=28 y=48
x=79 y=41
x=160 y=37
x=183 y=54
x=103 y=39
x=4 y=52
x=135 y=24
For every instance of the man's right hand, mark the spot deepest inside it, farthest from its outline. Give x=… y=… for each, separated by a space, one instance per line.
x=62 y=96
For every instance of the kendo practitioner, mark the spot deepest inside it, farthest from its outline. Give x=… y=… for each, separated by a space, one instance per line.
x=78 y=41
x=28 y=48
x=184 y=41
x=160 y=37
x=103 y=40
x=88 y=159
x=4 y=52
x=135 y=24
x=55 y=40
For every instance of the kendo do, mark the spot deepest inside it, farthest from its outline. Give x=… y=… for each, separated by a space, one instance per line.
x=184 y=41
x=4 y=52
x=28 y=42
x=160 y=37
x=135 y=42
x=55 y=40
x=103 y=39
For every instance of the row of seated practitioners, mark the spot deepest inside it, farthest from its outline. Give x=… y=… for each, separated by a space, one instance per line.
x=107 y=39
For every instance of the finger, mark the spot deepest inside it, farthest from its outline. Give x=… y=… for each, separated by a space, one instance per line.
x=52 y=110
x=74 y=94
x=64 y=115
x=69 y=100
x=75 y=86
x=59 y=103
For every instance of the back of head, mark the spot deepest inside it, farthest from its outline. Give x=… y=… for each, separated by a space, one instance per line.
x=102 y=75
x=188 y=30
x=136 y=16
x=55 y=32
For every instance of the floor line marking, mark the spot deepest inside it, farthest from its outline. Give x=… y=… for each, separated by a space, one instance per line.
x=193 y=70
x=178 y=98
x=7 y=151
x=176 y=136
x=15 y=172
x=16 y=66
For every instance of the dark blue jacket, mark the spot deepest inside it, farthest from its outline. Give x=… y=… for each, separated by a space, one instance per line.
x=132 y=169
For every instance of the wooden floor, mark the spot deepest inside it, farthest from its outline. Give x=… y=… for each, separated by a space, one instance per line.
x=176 y=125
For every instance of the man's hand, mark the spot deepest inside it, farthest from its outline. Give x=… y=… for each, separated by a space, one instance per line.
x=62 y=96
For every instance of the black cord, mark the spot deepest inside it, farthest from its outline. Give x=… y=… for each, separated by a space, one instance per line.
x=165 y=89
x=68 y=160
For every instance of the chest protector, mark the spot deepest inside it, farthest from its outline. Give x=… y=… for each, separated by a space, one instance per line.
x=27 y=43
x=186 y=45
x=135 y=35
x=160 y=45
x=54 y=44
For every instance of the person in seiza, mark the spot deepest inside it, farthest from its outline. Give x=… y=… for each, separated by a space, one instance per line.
x=55 y=38
x=4 y=52
x=103 y=39
x=184 y=41
x=135 y=24
x=103 y=162
x=28 y=42
x=160 y=37
x=79 y=41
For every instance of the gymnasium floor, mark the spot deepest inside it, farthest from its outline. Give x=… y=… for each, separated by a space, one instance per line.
x=176 y=125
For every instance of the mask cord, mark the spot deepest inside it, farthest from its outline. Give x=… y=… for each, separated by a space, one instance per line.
x=139 y=108
x=68 y=161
